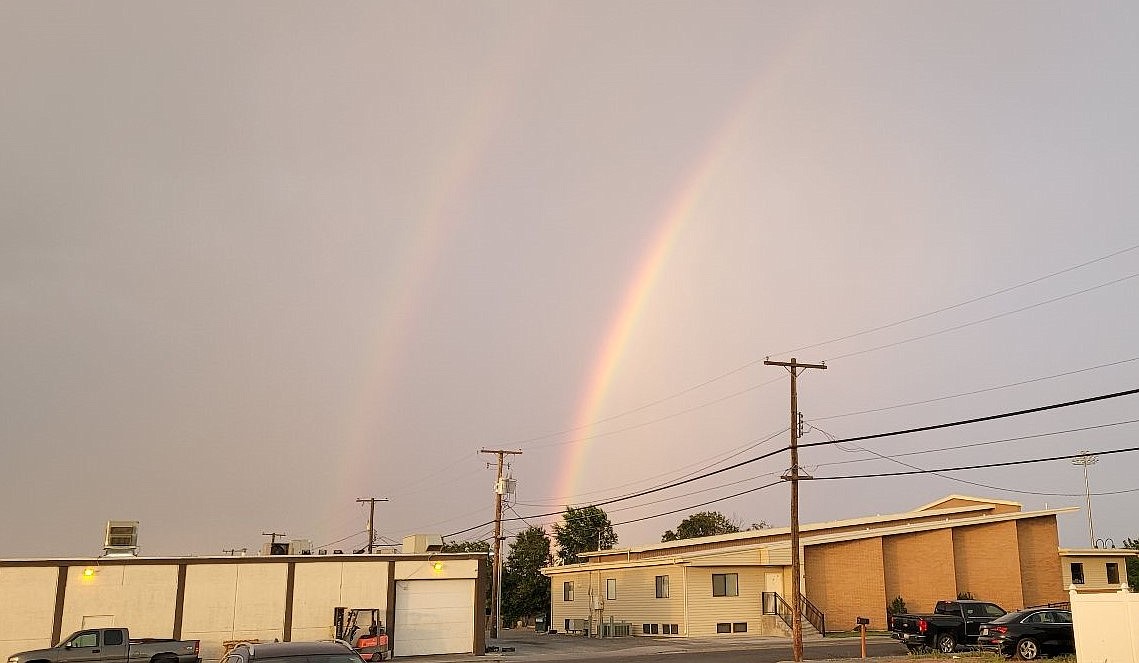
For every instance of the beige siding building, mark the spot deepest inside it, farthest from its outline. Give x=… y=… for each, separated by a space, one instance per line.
x=1096 y=569
x=740 y=583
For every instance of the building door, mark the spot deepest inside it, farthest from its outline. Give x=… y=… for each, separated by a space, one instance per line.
x=434 y=617
x=773 y=582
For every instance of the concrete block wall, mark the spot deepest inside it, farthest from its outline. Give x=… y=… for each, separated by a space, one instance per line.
x=920 y=568
x=987 y=563
x=846 y=581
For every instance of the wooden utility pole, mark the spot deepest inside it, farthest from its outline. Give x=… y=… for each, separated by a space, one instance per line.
x=496 y=582
x=794 y=368
x=371 y=518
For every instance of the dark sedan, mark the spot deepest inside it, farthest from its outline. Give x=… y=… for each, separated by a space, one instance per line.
x=1030 y=633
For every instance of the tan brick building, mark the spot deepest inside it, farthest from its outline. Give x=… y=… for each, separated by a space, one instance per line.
x=739 y=583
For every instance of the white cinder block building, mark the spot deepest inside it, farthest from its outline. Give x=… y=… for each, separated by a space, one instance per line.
x=431 y=603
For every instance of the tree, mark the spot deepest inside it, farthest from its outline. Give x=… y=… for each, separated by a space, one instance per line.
x=583 y=530
x=705 y=523
x=1132 y=565
x=467 y=547
x=525 y=591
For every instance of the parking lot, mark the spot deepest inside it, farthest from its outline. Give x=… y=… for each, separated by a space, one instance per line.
x=526 y=645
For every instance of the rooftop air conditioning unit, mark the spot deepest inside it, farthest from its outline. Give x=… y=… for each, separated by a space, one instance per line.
x=274 y=548
x=121 y=538
x=422 y=543
x=300 y=547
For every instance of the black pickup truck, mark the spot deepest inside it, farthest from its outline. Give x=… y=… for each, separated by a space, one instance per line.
x=112 y=645
x=952 y=624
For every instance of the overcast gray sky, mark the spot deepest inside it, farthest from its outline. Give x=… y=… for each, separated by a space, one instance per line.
x=262 y=259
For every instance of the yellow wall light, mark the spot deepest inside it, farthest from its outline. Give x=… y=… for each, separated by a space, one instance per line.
x=438 y=566
x=88 y=572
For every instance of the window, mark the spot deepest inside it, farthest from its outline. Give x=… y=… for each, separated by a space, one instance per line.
x=649 y=629
x=673 y=629
x=739 y=627
x=724 y=627
x=1063 y=617
x=567 y=591
x=112 y=637
x=1113 y=573
x=725 y=584
x=610 y=589
x=1077 y=573
x=662 y=587
x=85 y=639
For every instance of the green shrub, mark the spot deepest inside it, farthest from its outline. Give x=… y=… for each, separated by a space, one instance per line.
x=897 y=606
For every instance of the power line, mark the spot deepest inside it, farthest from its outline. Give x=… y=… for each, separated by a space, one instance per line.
x=733 y=466
x=756 y=362
x=697 y=506
x=705 y=464
x=977 y=391
x=648 y=491
x=980 y=466
x=982 y=320
x=894 y=459
x=961 y=303
x=969 y=445
x=991 y=417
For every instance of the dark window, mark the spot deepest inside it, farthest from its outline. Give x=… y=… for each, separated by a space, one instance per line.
x=1062 y=617
x=112 y=637
x=725 y=584
x=567 y=591
x=611 y=588
x=990 y=610
x=567 y=623
x=739 y=627
x=1113 y=573
x=674 y=629
x=1077 y=573
x=662 y=587
x=724 y=627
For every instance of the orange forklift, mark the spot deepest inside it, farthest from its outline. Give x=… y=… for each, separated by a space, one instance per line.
x=362 y=629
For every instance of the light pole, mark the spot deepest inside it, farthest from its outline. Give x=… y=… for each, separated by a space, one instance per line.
x=1086 y=459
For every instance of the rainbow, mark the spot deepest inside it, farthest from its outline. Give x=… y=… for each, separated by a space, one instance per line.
x=679 y=210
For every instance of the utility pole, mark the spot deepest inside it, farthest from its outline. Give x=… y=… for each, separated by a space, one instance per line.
x=1086 y=459
x=371 y=518
x=496 y=583
x=794 y=368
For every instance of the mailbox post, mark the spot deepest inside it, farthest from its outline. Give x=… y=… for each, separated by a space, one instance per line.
x=862 y=622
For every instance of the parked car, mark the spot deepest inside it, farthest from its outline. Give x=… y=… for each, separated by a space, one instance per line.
x=326 y=651
x=112 y=645
x=1030 y=633
x=952 y=624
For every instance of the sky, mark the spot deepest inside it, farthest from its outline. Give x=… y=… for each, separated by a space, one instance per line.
x=261 y=260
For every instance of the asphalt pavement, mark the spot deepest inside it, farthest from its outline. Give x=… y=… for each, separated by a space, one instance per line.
x=522 y=645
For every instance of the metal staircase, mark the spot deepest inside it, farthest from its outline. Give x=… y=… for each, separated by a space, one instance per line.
x=774 y=604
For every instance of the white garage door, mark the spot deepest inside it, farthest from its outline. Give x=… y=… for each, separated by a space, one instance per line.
x=434 y=617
